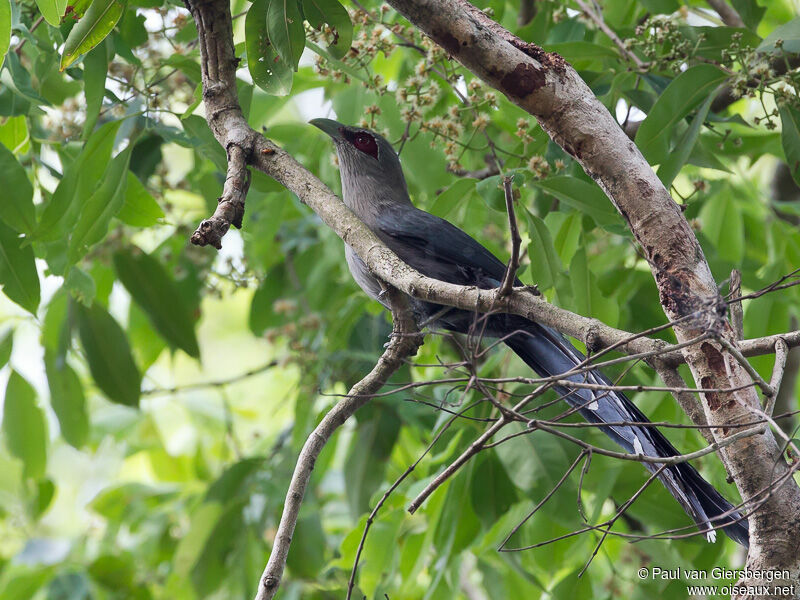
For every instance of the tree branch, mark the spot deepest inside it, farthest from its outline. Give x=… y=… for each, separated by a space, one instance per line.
x=728 y=15
x=598 y=20
x=735 y=307
x=404 y=342
x=513 y=263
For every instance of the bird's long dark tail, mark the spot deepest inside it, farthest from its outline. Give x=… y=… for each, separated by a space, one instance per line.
x=548 y=353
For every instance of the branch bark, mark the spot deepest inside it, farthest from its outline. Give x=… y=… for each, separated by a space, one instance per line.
x=547 y=87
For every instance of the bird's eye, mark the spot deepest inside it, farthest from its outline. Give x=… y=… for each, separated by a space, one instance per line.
x=366 y=143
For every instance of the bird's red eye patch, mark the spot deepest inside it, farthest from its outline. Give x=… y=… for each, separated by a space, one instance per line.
x=365 y=142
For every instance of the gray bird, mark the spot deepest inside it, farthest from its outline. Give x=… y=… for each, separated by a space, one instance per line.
x=374 y=188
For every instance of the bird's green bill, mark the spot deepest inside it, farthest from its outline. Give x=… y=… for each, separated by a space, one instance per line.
x=329 y=126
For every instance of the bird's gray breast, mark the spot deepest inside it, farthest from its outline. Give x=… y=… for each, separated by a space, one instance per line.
x=362 y=275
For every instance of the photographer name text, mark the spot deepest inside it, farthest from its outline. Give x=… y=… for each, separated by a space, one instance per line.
x=716 y=573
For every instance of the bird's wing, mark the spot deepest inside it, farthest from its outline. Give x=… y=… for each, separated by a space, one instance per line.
x=439 y=249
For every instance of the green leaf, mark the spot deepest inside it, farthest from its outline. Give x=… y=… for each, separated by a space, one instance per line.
x=534 y=461
x=131 y=28
x=274 y=286
x=17 y=208
x=580 y=50
x=104 y=203
x=188 y=66
x=203 y=139
x=750 y=12
x=95 y=68
x=92 y=29
x=155 y=291
x=79 y=8
x=723 y=225
x=366 y=458
x=81 y=285
x=790 y=138
x=67 y=399
x=268 y=70
x=661 y=7
x=319 y=12
x=56 y=331
x=6 y=345
x=14 y=133
x=670 y=168
x=285 y=30
x=545 y=263
x=587 y=299
x=454 y=195
x=568 y=234
x=52 y=10
x=79 y=181
x=684 y=93
x=24 y=426
x=496 y=492
x=709 y=42
x=585 y=197
x=18 y=274
x=140 y=208
x=108 y=354
x=69 y=585
x=307 y=553
x=5 y=28
x=21 y=80
x=491 y=190
x=788 y=32
x=339 y=65
x=45 y=490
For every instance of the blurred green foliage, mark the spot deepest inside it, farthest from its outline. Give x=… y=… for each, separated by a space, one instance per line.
x=158 y=393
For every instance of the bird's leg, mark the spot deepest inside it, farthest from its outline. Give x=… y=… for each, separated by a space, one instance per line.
x=384 y=290
x=381 y=296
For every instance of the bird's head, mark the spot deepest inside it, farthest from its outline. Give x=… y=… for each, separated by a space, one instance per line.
x=369 y=166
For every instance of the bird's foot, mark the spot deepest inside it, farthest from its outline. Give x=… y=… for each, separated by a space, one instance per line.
x=533 y=289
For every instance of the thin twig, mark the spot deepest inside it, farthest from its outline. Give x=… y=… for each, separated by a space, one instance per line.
x=513 y=263
x=772 y=287
x=206 y=384
x=737 y=313
x=601 y=24
x=36 y=24
x=547 y=497
x=781 y=354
